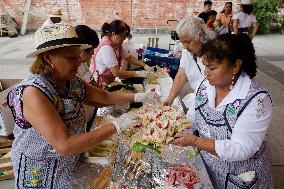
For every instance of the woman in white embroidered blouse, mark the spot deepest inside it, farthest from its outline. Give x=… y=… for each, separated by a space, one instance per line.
x=232 y=113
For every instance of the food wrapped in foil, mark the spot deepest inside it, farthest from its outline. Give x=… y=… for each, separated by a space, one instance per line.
x=151 y=170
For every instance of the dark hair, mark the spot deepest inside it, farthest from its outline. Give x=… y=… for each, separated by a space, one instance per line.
x=208 y=2
x=247 y=8
x=231 y=3
x=232 y=47
x=87 y=35
x=128 y=30
x=211 y=13
x=116 y=26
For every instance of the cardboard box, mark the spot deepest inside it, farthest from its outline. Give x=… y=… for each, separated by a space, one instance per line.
x=7 y=122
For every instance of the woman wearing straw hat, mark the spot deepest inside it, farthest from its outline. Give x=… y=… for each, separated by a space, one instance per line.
x=243 y=20
x=54 y=17
x=49 y=114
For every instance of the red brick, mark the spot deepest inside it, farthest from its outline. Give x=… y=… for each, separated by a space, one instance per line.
x=146 y=13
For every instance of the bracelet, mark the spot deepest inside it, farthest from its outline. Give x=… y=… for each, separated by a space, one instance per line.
x=195 y=141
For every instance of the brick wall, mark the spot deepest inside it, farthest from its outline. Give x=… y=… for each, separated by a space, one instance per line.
x=140 y=13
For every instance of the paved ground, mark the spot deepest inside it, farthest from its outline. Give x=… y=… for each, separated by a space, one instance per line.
x=270 y=54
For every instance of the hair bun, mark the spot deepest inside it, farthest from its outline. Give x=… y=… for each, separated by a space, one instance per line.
x=105 y=28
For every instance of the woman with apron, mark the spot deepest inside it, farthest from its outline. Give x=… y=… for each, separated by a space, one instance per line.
x=106 y=61
x=231 y=113
x=49 y=116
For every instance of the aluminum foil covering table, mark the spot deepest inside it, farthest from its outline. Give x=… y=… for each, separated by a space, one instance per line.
x=147 y=171
x=150 y=170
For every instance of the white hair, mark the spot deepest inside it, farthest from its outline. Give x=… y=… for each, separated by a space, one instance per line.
x=194 y=26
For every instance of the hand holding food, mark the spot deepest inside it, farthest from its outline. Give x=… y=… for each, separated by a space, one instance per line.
x=149 y=68
x=168 y=102
x=159 y=126
x=147 y=97
x=142 y=73
x=184 y=139
x=125 y=121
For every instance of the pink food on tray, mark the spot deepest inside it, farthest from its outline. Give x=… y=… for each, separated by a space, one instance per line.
x=182 y=175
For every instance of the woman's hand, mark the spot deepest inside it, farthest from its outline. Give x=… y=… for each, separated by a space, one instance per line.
x=125 y=121
x=168 y=102
x=149 y=68
x=147 y=97
x=142 y=73
x=185 y=139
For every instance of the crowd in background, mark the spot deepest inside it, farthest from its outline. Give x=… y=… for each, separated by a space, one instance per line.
x=228 y=21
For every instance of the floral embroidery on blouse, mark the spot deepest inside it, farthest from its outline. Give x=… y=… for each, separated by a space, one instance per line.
x=201 y=94
x=232 y=110
x=36 y=174
x=260 y=109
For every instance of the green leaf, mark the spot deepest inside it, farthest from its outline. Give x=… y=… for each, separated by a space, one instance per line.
x=192 y=154
x=266 y=14
x=137 y=147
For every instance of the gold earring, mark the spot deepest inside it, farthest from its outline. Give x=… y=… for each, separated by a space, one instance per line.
x=233 y=82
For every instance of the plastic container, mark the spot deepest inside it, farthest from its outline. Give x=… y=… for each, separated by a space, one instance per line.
x=170 y=62
x=103 y=160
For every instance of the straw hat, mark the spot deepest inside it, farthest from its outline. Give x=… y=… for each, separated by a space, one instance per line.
x=56 y=13
x=246 y=2
x=55 y=36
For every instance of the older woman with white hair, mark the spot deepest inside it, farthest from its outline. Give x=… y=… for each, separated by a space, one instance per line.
x=192 y=33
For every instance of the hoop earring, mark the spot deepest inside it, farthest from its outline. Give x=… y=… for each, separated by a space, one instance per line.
x=233 y=82
x=52 y=66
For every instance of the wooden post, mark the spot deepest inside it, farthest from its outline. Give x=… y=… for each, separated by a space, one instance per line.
x=26 y=15
x=1 y=36
x=157 y=42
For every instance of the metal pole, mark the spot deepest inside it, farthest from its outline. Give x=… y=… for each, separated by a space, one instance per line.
x=132 y=21
x=25 y=18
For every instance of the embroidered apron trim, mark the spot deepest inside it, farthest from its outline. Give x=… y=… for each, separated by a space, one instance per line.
x=242 y=109
x=218 y=169
x=36 y=173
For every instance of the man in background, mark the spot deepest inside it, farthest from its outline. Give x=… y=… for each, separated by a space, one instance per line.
x=211 y=19
x=207 y=7
x=55 y=16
